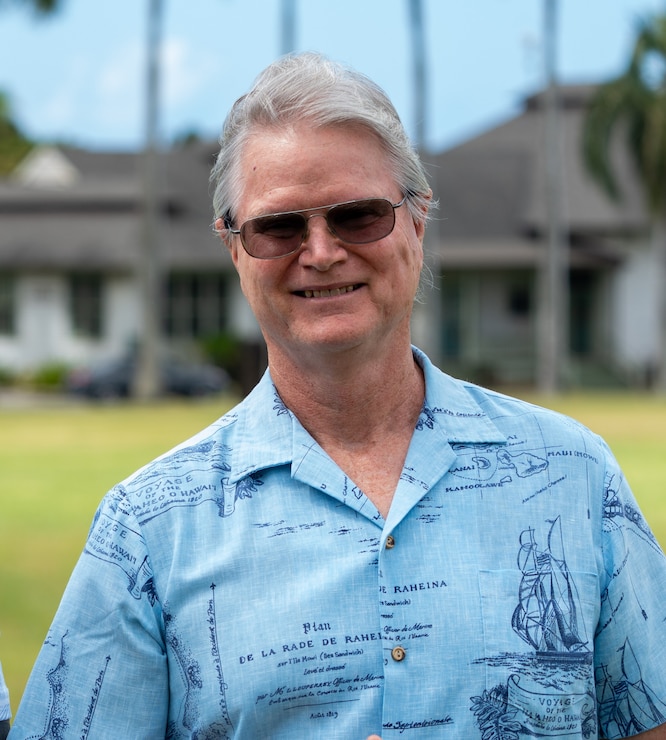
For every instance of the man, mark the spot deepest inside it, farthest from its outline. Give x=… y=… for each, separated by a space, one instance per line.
x=364 y=545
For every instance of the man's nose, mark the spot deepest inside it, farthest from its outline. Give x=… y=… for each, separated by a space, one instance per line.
x=321 y=248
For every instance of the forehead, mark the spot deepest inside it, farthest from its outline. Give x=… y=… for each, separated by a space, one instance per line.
x=303 y=166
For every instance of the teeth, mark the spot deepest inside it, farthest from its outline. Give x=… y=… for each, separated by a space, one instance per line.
x=327 y=293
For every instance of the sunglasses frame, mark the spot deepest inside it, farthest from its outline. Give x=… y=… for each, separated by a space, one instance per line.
x=323 y=211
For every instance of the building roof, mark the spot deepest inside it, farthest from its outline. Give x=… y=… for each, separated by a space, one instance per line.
x=492 y=190
x=73 y=209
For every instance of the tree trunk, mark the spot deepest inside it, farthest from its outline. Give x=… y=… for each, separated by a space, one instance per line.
x=553 y=309
x=416 y=26
x=147 y=377
x=288 y=26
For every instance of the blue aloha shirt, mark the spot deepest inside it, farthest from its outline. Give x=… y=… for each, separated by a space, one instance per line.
x=241 y=586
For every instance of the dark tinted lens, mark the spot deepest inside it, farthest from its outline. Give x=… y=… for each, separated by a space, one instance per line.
x=361 y=222
x=273 y=236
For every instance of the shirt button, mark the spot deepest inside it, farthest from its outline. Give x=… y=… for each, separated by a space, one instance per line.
x=390 y=542
x=398 y=653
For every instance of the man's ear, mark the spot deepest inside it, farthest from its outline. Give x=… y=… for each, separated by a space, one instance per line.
x=420 y=222
x=221 y=230
x=226 y=237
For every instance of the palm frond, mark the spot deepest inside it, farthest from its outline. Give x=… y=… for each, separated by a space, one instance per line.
x=606 y=111
x=632 y=105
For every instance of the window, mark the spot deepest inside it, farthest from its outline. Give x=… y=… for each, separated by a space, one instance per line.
x=195 y=305
x=582 y=297
x=7 y=304
x=85 y=299
x=518 y=300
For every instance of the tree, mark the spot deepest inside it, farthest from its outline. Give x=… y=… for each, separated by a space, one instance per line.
x=13 y=144
x=147 y=383
x=288 y=26
x=417 y=32
x=38 y=6
x=553 y=310
x=633 y=106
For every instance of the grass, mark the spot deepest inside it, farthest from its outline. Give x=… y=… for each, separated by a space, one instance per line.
x=56 y=463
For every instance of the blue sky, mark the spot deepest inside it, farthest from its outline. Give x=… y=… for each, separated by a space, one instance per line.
x=79 y=76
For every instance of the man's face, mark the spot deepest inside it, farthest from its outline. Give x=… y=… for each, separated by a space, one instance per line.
x=329 y=296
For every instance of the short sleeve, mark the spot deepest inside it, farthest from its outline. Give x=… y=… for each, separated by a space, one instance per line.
x=630 y=644
x=102 y=671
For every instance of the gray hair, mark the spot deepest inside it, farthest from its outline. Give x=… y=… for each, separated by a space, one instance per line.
x=310 y=87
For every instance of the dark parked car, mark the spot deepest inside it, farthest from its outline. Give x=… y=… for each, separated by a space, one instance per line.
x=113 y=379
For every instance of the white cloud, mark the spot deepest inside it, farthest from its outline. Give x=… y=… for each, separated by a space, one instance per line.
x=118 y=88
x=116 y=92
x=186 y=71
x=60 y=106
x=122 y=72
x=55 y=112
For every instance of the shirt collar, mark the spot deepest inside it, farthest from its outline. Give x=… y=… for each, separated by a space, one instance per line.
x=267 y=429
x=451 y=403
x=264 y=431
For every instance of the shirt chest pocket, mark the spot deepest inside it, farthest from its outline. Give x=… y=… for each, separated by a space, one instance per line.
x=543 y=609
x=539 y=623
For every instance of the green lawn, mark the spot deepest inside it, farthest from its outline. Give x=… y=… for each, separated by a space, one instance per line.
x=56 y=463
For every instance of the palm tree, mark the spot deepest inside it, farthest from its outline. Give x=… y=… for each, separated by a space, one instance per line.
x=288 y=26
x=634 y=105
x=552 y=335
x=146 y=383
x=417 y=31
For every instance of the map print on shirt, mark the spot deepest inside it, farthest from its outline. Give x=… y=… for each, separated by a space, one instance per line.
x=544 y=694
x=57 y=718
x=190 y=673
x=623 y=701
x=158 y=492
x=547 y=618
x=57 y=722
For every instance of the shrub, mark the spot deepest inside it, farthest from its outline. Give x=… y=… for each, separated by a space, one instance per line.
x=50 y=377
x=7 y=377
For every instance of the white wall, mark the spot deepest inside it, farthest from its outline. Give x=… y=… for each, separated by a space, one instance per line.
x=634 y=327
x=120 y=325
x=43 y=324
x=241 y=316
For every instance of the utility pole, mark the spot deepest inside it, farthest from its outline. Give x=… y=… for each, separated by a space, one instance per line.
x=427 y=316
x=147 y=378
x=419 y=70
x=288 y=27
x=553 y=314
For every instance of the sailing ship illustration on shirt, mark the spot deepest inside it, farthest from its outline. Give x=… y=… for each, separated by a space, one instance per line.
x=627 y=705
x=547 y=614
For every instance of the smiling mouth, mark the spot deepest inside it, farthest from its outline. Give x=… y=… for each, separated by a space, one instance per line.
x=328 y=293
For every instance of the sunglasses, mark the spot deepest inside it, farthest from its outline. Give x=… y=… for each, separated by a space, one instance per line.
x=280 y=234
